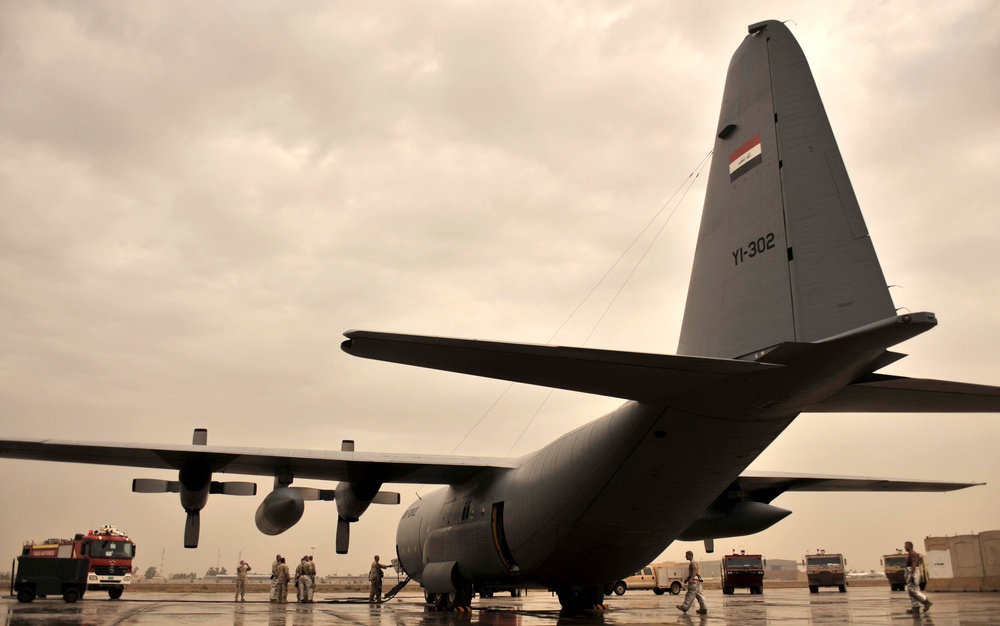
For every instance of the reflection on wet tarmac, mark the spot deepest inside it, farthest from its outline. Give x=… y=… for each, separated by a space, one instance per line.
x=874 y=605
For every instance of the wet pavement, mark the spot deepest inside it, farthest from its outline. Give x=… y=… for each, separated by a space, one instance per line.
x=863 y=606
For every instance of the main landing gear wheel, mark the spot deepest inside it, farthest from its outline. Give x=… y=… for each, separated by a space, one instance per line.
x=580 y=599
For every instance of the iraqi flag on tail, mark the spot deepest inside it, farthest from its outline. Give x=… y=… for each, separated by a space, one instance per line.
x=745 y=158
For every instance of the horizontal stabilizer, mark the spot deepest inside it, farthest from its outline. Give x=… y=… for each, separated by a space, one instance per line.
x=879 y=393
x=762 y=487
x=626 y=375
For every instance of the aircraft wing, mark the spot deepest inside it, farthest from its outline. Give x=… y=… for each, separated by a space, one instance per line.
x=764 y=487
x=627 y=375
x=878 y=393
x=307 y=464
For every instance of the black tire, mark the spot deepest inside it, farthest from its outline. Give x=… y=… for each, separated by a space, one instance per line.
x=485 y=594
x=726 y=590
x=658 y=591
x=759 y=590
x=813 y=588
x=675 y=588
x=116 y=592
x=515 y=593
x=580 y=599
x=843 y=588
x=71 y=595
x=430 y=598
x=619 y=588
x=460 y=598
x=25 y=595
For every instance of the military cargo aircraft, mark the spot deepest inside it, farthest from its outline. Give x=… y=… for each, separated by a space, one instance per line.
x=787 y=312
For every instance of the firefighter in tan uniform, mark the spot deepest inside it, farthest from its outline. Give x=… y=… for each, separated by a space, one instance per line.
x=693 y=582
x=310 y=579
x=912 y=570
x=274 y=578
x=283 y=576
x=375 y=578
x=241 y=580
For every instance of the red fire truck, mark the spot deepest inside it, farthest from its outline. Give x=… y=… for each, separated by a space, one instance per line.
x=743 y=570
x=108 y=550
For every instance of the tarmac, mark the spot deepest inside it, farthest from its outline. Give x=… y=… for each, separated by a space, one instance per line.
x=861 y=606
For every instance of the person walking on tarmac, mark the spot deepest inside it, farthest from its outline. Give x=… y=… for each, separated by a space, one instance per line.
x=693 y=582
x=375 y=578
x=912 y=569
x=241 y=580
x=274 y=578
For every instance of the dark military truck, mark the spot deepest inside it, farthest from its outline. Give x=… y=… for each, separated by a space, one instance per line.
x=742 y=570
x=40 y=577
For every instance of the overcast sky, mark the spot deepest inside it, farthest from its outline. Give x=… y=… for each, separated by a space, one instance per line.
x=198 y=199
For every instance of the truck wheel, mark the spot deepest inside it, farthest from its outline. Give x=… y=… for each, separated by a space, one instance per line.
x=757 y=590
x=727 y=590
x=115 y=593
x=813 y=588
x=619 y=588
x=843 y=588
x=71 y=595
x=25 y=595
x=675 y=588
x=658 y=591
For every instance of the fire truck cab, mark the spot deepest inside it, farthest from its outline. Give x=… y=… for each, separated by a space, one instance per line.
x=109 y=553
x=742 y=570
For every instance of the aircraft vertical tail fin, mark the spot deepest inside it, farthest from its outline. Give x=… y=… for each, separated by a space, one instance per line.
x=783 y=253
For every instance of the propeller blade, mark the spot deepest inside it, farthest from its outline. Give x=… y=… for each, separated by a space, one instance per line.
x=386 y=497
x=192 y=529
x=152 y=485
x=343 y=535
x=234 y=488
x=307 y=493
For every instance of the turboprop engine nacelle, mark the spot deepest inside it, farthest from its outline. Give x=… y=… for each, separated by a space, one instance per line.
x=735 y=520
x=280 y=510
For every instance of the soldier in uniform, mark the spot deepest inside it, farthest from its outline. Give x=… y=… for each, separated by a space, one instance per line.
x=309 y=579
x=300 y=583
x=241 y=580
x=283 y=576
x=693 y=582
x=274 y=578
x=913 y=581
x=375 y=578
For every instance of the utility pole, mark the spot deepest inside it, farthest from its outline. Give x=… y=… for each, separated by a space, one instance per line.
x=162 y=553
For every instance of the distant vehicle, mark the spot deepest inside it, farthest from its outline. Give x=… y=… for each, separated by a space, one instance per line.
x=742 y=570
x=108 y=552
x=826 y=570
x=660 y=577
x=894 y=566
x=39 y=577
